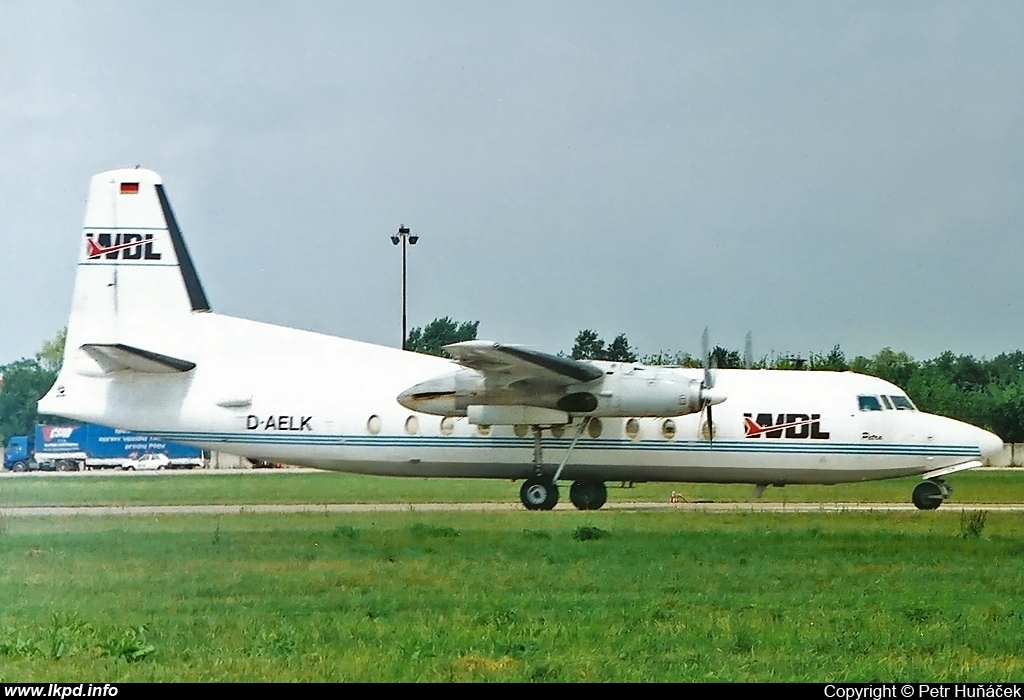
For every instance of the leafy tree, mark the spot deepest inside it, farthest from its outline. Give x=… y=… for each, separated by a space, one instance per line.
x=24 y=383
x=895 y=367
x=1005 y=415
x=726 y=359
x=788 y=362
x=1006 y=368
x=620 y=351
x=962 y=370
x=835 y=361
x=431 y=339
x=589 y=346
x=860 y=365
x=666 y=357
x=51 y=355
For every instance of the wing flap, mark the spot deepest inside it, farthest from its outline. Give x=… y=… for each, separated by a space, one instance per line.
x=118 y=357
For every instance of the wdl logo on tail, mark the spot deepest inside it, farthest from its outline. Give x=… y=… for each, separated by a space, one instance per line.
x=120 y=246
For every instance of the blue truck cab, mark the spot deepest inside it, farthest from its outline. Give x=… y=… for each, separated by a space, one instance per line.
x=18 y=454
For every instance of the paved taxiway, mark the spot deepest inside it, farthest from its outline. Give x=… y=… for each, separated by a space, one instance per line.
x=67 y=511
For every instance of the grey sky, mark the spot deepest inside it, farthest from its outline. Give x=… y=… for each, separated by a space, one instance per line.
x=816 y=173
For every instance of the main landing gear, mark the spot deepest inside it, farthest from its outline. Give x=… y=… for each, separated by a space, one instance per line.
x=588 y=495
x=929 y=495
x=540 y=491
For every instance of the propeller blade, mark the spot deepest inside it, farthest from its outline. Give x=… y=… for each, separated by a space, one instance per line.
x=748 y=351
x=705 y=351
x=711 y=425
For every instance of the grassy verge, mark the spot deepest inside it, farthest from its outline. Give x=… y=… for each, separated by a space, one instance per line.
x=284 y=487
x=514 y=596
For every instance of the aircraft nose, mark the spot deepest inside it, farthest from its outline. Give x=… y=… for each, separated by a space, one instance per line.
x=990 y=444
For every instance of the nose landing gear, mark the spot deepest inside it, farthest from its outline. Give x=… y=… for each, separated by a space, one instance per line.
x=929 y=495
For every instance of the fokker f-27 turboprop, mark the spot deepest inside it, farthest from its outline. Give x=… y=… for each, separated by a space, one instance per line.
x=145 y=353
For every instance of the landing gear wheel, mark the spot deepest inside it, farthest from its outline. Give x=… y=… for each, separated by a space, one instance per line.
x=538 y=494
x=928 y=495
x=588 y=495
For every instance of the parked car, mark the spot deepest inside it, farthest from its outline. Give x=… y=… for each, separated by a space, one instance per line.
x=151 y=461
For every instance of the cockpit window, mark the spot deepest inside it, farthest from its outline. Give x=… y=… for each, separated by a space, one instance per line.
x=902 y=403
x=869 y=403
x=885 y=400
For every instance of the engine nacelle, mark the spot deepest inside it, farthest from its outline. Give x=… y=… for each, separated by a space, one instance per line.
x=625 y=391
x=445 y=395
x=648 y=392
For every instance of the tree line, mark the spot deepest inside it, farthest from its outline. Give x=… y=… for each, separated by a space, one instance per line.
x=988 y=393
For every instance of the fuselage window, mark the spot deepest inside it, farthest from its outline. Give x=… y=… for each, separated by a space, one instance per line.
x=885 y=400
x=869 y=403
x=902 y=403
x=632 y=428
x=668 y=429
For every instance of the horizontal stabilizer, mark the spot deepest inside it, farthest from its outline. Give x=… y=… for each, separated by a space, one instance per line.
x=117 y=357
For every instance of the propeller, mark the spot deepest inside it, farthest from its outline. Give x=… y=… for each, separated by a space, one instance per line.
x=748 y=351
x=708 y=396
x=705 y=352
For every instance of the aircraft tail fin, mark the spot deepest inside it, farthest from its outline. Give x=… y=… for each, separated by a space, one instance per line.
x=136 y=285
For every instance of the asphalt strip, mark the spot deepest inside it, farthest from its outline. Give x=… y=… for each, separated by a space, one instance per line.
x=69 y=511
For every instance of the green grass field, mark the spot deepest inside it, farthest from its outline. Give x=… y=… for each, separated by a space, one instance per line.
x=565 y=596
x=303 y=487
x=509 y=596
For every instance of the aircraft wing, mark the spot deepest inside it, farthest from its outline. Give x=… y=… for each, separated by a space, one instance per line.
x=513 y=363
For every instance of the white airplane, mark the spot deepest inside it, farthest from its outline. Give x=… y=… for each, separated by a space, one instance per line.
x=146 y=353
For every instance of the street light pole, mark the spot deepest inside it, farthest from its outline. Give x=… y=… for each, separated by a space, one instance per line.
x=402 y=237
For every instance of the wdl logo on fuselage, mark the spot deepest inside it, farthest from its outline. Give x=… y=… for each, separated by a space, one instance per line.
x=799 y=426
x=120 y=246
